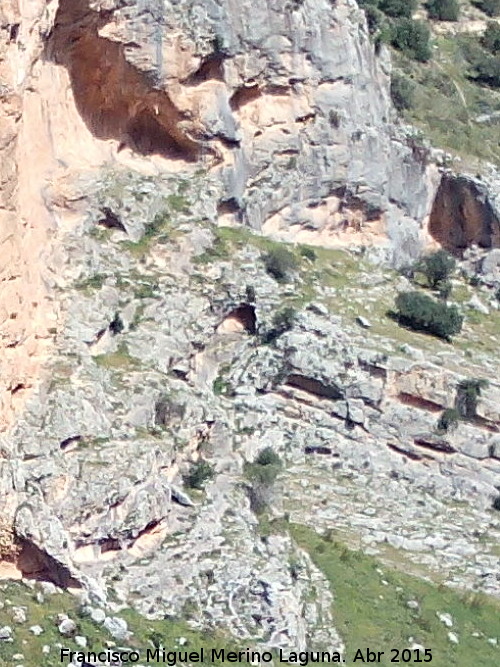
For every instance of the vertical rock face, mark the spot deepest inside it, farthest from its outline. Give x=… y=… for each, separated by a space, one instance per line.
x=110 y=111
x=24 y=219
x=295 y=102
x=287 y=102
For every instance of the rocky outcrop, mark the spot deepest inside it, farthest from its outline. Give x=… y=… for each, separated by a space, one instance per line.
x=134 y=131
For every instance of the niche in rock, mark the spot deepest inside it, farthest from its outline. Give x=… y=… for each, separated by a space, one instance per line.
x=168 y=412
x=240 y=320
x=462 y=215
x=115 y=100
x=37 y=564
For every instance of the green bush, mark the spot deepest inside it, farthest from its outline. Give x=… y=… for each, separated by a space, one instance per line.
x=402 y=91
x=201 y=472
x=421 y=313
x=487 y=71
x=398 y=8
x=308 y=253
x=448 y=420
x=468 y=393
x=484 y=66
x=262 y=474
x=375 y=19
x=490 y=7
x=437 y=268
x=443 y=10
x=279 y=263
x=283 y=321
x=412 y=38
x=491 y=38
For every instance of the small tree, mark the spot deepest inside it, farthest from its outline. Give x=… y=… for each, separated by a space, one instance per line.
x=200 y=473
x=412 y=38
x=448 y=420
x=444 y=290
x=443 y=10
x=262 y=474
x=402 y=92
x=421 y=313
x=283 y=321
x=279 y=263
x=468 y=393
x=491 y=38
x=437 y=268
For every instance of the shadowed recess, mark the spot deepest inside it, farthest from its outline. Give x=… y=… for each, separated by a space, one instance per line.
x=115 y=100
x=462 y=216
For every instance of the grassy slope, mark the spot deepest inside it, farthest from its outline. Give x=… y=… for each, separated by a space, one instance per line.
x=371 y=613
x=447 y=103
x=370 y=610
x=44 y=614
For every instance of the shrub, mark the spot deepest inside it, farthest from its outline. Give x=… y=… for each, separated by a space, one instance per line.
x=308 y=253
x=484 y=65
x=374 y=18
x=283 y=321
x=412 y=38
x=262 y=474
x=398 y=8
x=250 y=293
x=490 y=7
x=402 y=92
x=201 y=472
x=444 y=290
x=448 y=420
x=443 y=10
x=279 y=263
x=468 y=392
x=491 y=37
x=487 y=71
x=421 y=313
x=437 y=268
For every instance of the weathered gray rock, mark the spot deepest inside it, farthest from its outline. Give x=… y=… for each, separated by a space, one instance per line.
x=117 y=627
x=67 y=627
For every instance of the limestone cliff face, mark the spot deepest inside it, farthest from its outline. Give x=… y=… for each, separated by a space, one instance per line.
x=287 y=103
x=131 y=131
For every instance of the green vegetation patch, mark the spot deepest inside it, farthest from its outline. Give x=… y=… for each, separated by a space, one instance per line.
x=119 y=360
x=370 y=613
x=449 y=106
x=91 y=284
x=146 y=633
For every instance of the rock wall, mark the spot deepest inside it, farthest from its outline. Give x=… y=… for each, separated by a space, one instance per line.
x=131 y=130
x=287 y=103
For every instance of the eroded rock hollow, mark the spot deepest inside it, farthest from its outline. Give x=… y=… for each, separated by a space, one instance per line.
x=463 y=215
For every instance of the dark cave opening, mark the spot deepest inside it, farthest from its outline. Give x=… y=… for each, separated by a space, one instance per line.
x=462 y=216
x=37 y=564
x=115 y=100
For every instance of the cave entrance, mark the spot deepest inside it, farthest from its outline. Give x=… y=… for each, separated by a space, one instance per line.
x=462 y=215
x=240 y=320
x=115 y=100
x=33 y=563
